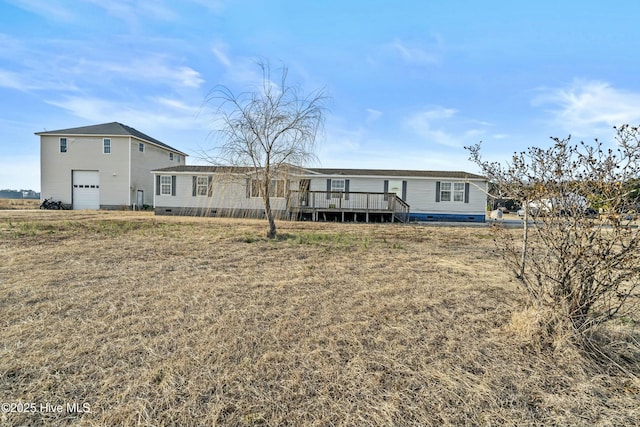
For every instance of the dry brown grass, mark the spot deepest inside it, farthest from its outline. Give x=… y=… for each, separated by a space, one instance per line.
x=184 y=321
x=19 y=204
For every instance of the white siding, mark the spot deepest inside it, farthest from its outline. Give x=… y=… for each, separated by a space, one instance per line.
x=421 y=193
x=142 y=163
x=85 y=153
x=228 y=193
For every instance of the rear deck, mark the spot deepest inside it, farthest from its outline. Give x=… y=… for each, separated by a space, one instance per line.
x=348 y=206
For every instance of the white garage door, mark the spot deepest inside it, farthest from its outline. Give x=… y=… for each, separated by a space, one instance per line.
x=86 y=190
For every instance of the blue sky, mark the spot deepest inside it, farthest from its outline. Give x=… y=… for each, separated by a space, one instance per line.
x=411 y=82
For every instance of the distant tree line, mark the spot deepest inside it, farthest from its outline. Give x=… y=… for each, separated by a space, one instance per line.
x=19 y=194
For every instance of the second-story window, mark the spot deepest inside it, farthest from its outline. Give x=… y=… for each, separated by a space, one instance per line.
x=106 y=146
x=63 y=145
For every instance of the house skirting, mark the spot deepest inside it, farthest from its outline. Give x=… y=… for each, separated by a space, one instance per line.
x=458 y=217
x=317 y=216
x=219 y=212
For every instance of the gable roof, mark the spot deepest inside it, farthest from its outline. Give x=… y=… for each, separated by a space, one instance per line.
x=329 y=172
x=205 y=169
x=398 y=173
x=111 y=129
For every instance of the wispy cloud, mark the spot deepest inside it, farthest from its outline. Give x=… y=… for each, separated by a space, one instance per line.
x=419 y=53
x=428 y=124
x=442 y=126
x=220 y=51
x=589 y=107
x=150 y=115
x=373 y=115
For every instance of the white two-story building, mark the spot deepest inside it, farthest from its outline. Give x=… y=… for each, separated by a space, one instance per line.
x=104 y=166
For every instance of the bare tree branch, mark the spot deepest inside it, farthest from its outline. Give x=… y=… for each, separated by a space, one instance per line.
x=268 y=129
x=580 y=250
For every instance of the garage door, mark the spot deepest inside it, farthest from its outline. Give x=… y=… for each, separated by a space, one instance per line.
x=86 y=190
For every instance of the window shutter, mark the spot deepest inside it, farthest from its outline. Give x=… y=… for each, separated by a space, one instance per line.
x=466 y=192
x=248 y=188
x=385 y=190
x=157 y=185
x=404 y=190
x=194 y=185
x=437 y=191
x=210 y=186
x=346 y=189
x=328 y=188
x=173 y=185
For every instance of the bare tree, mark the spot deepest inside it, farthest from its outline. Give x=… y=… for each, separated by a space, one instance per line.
x=269 y=129
x=579 y=256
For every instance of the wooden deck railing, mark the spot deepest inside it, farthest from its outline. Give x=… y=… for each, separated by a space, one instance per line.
x=349 y=202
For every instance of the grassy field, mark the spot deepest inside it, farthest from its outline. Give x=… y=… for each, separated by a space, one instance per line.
x=19 y=204
x=123 y=318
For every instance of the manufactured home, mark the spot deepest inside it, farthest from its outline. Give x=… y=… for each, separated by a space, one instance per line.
x=317 y=194
x=104 y=166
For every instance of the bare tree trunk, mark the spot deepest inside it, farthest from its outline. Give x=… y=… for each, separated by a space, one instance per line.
x=525 y=238
x=271 y=234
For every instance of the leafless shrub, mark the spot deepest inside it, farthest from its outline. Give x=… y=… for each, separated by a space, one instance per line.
x=579 y=255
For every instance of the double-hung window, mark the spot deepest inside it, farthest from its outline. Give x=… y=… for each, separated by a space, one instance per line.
x=165 y=185
x=170 y=156
x=202 y=185
x=452 y=191
x=458 y=191
x=276 y=188
x=63 y=145
x=141 y=147
x=106 y=146
x=337 y=188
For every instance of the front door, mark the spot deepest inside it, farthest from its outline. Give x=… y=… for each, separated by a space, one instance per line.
x=395 y=186
x=304 y=191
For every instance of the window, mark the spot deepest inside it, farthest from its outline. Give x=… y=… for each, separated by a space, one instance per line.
x=202 y=185
x=170 y=156
x=178 y=158
x=141 y=147
x=337 y=188
x=276 y=189
x=458 y=191
x=106 y=146
x=445 y=191
x=165 y=185
x=452 y=191
x=63 y=145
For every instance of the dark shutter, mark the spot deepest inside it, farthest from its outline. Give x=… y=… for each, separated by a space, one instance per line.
x=328 y=189
x=173 y=185
x=210 y=186
x=385 y=190
x=404 y=190
x=466 y=192
x=346 y=189
x=248 y=188
x=437 y=191
x=194 y=186
x=157 y=185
